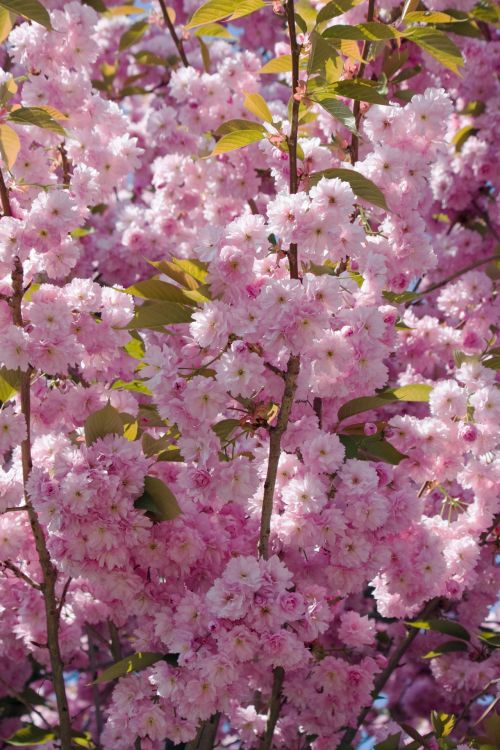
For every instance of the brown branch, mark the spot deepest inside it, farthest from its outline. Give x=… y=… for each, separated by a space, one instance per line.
x=63 y=597
x=455 y=275
x=49 y=572
x=96 y=697
x=115 y=647
x=19 y=574
x=291 y=375
x=176 y=40
x=207 y=734
x=384 y=676
x=4 y=197
x=356 y=110
x=274 y=708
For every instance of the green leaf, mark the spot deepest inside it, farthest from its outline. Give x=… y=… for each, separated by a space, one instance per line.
x=224 y=428
x=429 y=16
x=31 y=735
x=413 y=392
x=97 y=5
x=104 y=422
x=175 y=272
x=399 y=298
x=30 y=9
x=360 y=185
x=438 y=45
x=158 y=499
x=418 y=392
x=442 y=723
x=372 y=448
x=490 y=637
x=162 y=290
x=335 y=8
x=246 y=7
x=390 y=743
x=446 y=648
x=462 y=135
x=237 y=139
x=321 y=52
x=341 y=112
x=214 y=30
x=371 y=31
x=281 y=64
x=235 y=126
x=213 y=10
x=133 y=35
x=448 y=627
x=256 y=104
x=194 y=268
x=360 y=89
x=9 y=145
x=35 y=116
x=132 y=663
x=159 y=314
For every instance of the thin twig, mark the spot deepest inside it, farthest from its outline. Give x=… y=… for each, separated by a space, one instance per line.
x=24 y=701
x=63 y=597
x=274 y=708
x=49 y=572
x=455 y=275
x=356 y=110
x=115 y=647
x=96 y=697
x=19 y=574
x=170 y=26
x=384 y=676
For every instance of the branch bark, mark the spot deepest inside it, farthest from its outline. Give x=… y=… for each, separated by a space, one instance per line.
x=384 y=676
x=291 y=376
x=49 y=573
x=170 y=26
x=356 y=110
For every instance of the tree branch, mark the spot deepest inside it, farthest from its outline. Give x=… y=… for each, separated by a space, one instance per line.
x=356 y=110
x=49 y=572
x=456 y=275
x=383 y=677
x=170 y=26
x=274 y=708
x=19 y=574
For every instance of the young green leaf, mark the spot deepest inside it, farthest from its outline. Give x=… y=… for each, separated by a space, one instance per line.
x=246 y=7
x=371 y=31
x=256 y=104
x=133 y=35
x=30 y=9
x=214 y=30
x=390 y=743
x=31 y=735
x=281 y=64
x=159 y=314
x=35 y=116
x=9 y=145
x=335 y=8
x=104 y=422
x=132 y=663
x=154 y=289
x=213 y=10
x=445 y=648
x=341 y=112
x=438 y=45
x=360 y=89
x=447 y=627
x=159 y=499
x=237 y=139
x=234 y=126
x=360 y=185
x=418 y=392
